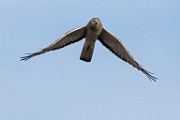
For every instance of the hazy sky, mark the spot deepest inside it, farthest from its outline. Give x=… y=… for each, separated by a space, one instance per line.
x=59 y=86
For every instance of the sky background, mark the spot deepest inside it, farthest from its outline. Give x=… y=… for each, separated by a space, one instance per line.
x=59 y=86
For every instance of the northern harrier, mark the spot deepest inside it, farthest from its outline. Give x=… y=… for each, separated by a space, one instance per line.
x=91 y=32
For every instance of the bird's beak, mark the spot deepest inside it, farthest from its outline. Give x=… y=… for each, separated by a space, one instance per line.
x=96 y=21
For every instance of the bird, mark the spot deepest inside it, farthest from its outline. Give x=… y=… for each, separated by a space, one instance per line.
x=93 y=31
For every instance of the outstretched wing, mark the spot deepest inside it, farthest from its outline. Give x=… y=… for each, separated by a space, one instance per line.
x=69 y=38
x=115 y=45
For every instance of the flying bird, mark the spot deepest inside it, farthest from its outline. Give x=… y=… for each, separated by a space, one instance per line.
x=91 y=32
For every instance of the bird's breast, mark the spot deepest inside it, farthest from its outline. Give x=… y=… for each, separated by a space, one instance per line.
x=92 y=34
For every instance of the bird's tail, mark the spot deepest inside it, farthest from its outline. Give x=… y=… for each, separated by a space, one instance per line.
x=87 y=52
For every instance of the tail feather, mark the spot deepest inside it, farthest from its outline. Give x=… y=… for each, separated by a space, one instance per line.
x=87 y=52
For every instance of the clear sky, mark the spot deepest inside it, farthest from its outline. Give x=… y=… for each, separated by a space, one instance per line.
x=59 y=86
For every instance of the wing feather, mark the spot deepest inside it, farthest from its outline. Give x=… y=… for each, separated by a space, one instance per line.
x=69 y=38
x=115 y=45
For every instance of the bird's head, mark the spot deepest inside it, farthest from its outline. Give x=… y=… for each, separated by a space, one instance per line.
x=95 y=23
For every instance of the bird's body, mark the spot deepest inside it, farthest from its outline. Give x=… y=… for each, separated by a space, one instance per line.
x=91 y=32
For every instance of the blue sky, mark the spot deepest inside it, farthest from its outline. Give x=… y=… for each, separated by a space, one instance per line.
x=58 y=86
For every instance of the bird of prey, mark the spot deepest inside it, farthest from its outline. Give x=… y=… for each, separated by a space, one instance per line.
x=91 y=32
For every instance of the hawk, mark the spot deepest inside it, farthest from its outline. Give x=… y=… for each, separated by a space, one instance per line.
x=93 y=31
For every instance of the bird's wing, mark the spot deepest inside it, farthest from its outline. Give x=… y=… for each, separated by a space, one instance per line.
x=115 y=45
x=69 y=38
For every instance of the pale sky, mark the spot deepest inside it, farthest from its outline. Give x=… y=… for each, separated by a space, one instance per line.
x=59 y=86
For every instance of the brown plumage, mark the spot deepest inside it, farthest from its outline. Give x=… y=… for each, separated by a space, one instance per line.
x=91 y=32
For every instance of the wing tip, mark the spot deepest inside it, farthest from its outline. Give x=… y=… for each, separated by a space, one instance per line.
x=150 y=76
x=27 y=57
